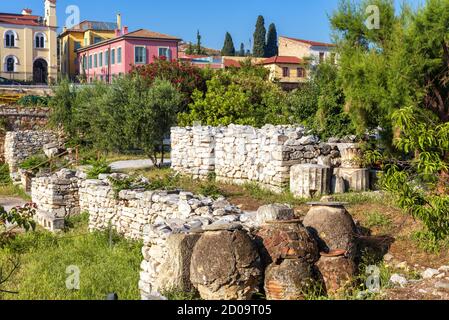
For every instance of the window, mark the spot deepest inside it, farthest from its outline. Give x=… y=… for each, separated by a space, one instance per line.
x=285 y=72
x=164 y=52
x=321 y=57
x=76 y=45
x=39 y=40
x=10 y=64
x=113 y=56
x=10 y=39
x=119 y=55
x=301 y=72
x=95 y=60
x=140 y=55
x=106 y=58
x=90 y=62
x=100 y=58
x=97 y=39
x=84 y=62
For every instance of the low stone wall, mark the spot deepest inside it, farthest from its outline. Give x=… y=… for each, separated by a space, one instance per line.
x=24 y=118
x=240 y=154
x=193 y=150
x=56 y=195
x=19 y=145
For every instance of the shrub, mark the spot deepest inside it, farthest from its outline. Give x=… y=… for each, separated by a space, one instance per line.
x=4 y=174
x=33 y=161
x=100 y=166
x=34 y=101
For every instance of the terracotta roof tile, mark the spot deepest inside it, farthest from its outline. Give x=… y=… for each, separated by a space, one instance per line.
x=142 y=33
x=282 y=59
x=231 y=63
x=20 y=19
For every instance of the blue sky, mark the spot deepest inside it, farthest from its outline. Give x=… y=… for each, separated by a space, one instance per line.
x=306 y=19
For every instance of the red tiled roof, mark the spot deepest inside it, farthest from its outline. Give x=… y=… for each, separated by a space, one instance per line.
x=282 y=59
x=142 y=33
x=231 y=63
x=191 y=56
x=20 y=19
x=312 y=43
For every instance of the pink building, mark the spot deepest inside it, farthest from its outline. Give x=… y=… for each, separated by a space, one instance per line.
x=114 y=57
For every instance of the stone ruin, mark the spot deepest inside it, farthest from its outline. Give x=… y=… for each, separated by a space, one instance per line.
x=196 y=243
x=275 y=157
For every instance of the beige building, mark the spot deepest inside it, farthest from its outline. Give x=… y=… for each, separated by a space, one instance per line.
x=313 y=51
x=288 y=71
x=28 y=50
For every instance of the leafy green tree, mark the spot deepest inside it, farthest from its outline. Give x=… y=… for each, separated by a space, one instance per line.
x=62 y=106
x=260 y=38
x=272 y=48
x=190 y=49
x=228 y=46
x=241 y=96
x=396 y=77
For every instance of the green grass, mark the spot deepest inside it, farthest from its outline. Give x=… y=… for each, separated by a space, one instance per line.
x=179 y=295
x=10 y=190
x=45 y=257
x=363 y=197
x=259 y=193
x=379 y=220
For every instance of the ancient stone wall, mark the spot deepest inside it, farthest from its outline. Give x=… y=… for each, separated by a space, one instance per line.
x=193 y=150
x=24 y=118
x=240 y=154
x=19 y=145
x=56 y=195
x=15 y=118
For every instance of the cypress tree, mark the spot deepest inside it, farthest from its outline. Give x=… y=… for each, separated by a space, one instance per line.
x=199 y=49
x=259 y=38
x=272 y=42
x=242 y=50
x=228 y=47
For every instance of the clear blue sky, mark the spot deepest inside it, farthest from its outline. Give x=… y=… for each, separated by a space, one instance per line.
x=306 y=19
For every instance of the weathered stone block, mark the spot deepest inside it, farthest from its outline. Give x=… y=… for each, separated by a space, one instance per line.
x=225 y=266
x=309 y=180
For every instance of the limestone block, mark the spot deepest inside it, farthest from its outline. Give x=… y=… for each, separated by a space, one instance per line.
x=274 y=212
x=356 y=180
x=309 y=180
x=176 y=268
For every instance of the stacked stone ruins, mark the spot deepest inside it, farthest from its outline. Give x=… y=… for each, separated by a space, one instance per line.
x=275 y=157
x=19 y=145
x=196 y=243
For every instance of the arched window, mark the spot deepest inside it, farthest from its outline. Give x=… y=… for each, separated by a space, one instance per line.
x=39 y=40
x=10 y=64
x=10 y=38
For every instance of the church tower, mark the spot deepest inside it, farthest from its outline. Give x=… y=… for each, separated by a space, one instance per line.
x=50 y=13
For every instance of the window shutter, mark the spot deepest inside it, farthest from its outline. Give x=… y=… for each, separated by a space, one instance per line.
x=144 y=54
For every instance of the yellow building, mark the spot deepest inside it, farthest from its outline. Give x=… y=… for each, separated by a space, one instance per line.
x=84 y=34
x=288 y=71
x=316 y=52
x=28 y=51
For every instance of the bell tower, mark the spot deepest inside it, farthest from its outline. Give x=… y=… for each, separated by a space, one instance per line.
x=50 y=13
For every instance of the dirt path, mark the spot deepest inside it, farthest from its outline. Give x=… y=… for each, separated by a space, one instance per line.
x=10 y=202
